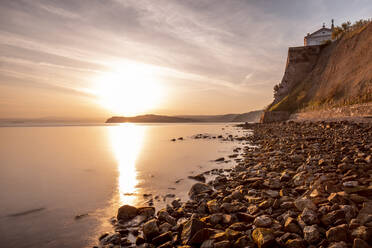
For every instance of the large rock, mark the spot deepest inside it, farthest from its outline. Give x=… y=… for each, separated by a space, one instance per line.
x=303 y=202
x=199 y=188
x=263 y=237
x=309 y=216
x=311 y=234
x=263 y=221
x=338 y=233
x=190 y=228
x=162 y=238
x=150 y=229
x=127 y=212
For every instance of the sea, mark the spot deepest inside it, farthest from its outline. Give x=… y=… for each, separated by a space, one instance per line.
x=61 y=184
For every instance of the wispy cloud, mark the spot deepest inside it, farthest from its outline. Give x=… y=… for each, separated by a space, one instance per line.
x=237 y=46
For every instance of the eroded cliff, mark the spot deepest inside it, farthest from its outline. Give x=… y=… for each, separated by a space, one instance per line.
x=333 y=75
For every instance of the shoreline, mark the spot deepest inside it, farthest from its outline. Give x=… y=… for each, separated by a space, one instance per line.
x=305 y=184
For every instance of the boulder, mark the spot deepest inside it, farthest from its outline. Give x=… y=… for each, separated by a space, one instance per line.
x=150 y=229
x=338 y=233
x=263 y=237
x=199 y=188
x=127 y=212
x=311 y=234
x=262 y=221
x=190 y=228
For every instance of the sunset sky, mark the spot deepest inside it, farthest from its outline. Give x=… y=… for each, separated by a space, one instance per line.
x=94 y=59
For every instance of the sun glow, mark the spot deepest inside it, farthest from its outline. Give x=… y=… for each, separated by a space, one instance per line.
x=129 y=89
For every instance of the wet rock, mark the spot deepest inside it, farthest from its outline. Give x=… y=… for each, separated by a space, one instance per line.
x=360 y=243
x=150 y=229
x=263 y=237
x=190 y=228
x=213 y=206
x=303 y=202
x=127 y=212
x=291 y=226
x=199 y=188
x=162 y=238
x=341 y=244
x=338 y=233
x=200 y=236
x=262 y=221
x=166 y=245
x=295 y=243
x=165 y=227
x=208 y=244
x=140 y=240
x=363 y=232
x=163 y=215
x=309 y=216
x=200 y=178
x=311 y=234
x=222 y=244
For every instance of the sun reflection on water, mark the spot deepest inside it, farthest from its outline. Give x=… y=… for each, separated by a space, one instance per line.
x=127 y=140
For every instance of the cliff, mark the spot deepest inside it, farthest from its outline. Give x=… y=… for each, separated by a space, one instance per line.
x=332 y=75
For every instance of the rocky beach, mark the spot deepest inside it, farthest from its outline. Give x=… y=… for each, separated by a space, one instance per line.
x=299 y=184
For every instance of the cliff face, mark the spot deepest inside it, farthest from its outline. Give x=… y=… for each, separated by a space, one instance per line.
x=331 y=75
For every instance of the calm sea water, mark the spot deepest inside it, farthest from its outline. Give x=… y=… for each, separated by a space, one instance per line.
x=49 y=175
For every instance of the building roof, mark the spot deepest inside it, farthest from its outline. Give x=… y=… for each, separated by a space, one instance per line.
x=318 y=31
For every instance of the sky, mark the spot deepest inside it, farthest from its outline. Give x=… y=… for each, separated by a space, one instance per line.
x=97 y=58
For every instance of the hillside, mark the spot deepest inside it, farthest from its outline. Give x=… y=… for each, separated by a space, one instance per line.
x=333 y=75
x=252 y=116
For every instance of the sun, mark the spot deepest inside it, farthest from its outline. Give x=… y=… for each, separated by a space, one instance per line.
x=129 y=89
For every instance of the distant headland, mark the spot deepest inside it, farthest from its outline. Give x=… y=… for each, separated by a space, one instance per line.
x=252 y=116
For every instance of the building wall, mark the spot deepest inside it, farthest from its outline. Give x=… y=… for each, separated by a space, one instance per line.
x=318 y=39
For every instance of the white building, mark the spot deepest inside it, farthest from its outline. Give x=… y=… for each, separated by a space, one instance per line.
x=319 y=37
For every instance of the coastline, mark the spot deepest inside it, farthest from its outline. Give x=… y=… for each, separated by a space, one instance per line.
x=304 y=183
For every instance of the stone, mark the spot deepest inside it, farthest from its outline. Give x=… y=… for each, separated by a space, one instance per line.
x=163 y=215
x=190 y=228
x=262 y=221
x=341 y=244
x=303 y=202
x=242 y=242
x=199 y=188
x=208 y=244
x=244 y=217
x=222 y=244
x=200 y=236
x=127 y=212
x=350 y=184
x=150 y=229
x=148 y=212
x=291 y=226
x=162 y=238
x=140 y=240
x=295 y=243
x=263 y=237
x=362 y=232
x=166 y=245
x=338 y=233
x=360 y=243
x=165 y=227
x=311 y=234
x=309 y=216
x=213 y=206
